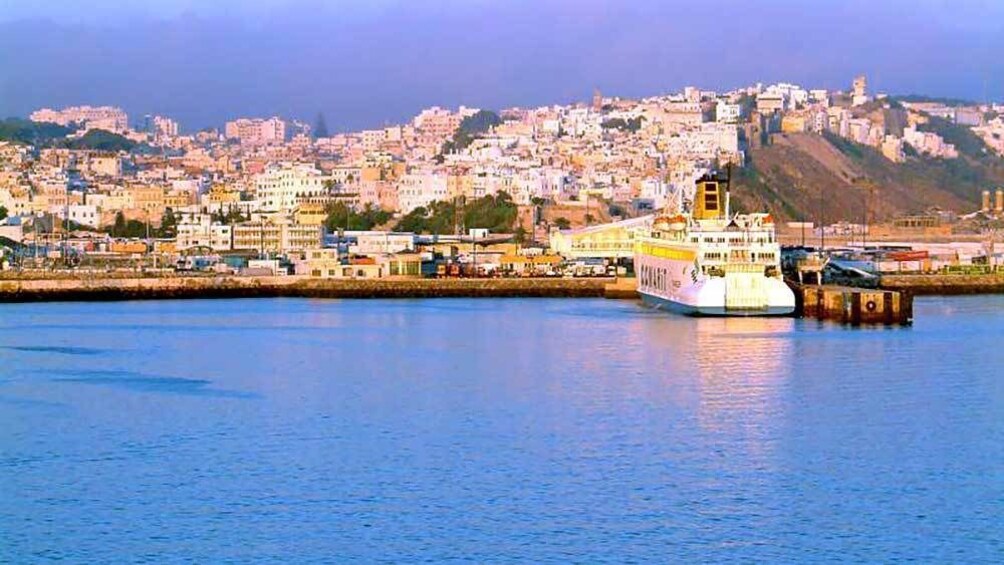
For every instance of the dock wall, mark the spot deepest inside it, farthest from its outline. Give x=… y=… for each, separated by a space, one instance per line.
x=264 y=287
x=853 y=305
x=944 y=284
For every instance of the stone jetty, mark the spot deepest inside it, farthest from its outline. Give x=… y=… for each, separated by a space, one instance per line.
x=177 y=287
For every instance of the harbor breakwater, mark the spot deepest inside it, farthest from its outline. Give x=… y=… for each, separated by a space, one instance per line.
x=36 y=289
x=944 y=284
x=96 y=289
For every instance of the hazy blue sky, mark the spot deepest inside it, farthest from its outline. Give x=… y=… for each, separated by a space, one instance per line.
x=367 y=62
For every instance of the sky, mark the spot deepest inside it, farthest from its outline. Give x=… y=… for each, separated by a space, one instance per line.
x=366 y=63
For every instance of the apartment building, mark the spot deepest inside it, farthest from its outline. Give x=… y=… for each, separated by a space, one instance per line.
x=107 y=118
x=282 y=187
x=275 y=237
x=726 y=113
x=256 y=131
x=198 y=230
x=437 y=122
x=161 y=126
x=419 y=189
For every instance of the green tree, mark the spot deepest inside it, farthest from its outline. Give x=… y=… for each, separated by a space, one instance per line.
x=119 y=228
x=562 y=223
x=136 y=228
x=470 y=128
x=101 y=140
x=168 y=224
x=3 y=212
x=632 y=125
x=414 y=221
x=341 y=216
x=497 y=213
x=320 y=126
x=232 y=215
x=34 y=133
x=127 y=228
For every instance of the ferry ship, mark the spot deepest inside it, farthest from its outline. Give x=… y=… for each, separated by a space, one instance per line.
x=707 y=262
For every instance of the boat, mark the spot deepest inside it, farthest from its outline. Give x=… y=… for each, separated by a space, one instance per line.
x=705 y=261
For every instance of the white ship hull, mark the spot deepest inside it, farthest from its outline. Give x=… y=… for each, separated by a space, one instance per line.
x=673 y=284
x=707 y=262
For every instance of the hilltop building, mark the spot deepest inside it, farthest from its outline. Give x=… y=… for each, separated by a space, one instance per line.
x=859 y=91
x=256 y=131
x=108 y=118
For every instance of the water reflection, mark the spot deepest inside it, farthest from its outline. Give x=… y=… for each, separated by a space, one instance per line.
x=743 y=366
x=505 y=430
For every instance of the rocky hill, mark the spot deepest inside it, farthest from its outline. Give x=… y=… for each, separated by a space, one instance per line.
x=795 y=176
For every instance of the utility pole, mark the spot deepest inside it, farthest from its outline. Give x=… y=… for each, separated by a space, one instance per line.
x=822 y=227
x=147 y=232
x=66 y=222
x=869 y=201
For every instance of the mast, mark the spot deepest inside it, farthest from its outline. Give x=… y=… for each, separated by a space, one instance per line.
x=728 y=190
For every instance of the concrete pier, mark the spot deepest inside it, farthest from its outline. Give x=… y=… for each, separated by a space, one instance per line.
x=623 y=288
x=93 y=289
x=853 y=306
x=947 y=284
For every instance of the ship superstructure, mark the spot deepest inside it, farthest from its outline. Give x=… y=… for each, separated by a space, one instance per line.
x=703 y=260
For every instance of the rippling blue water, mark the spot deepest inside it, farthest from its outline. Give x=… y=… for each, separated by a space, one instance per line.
x=496 y=431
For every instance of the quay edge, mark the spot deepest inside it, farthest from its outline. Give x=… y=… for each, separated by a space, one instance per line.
x=111 y=289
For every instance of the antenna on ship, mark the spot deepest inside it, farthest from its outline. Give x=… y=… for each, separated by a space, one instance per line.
x=728 y=190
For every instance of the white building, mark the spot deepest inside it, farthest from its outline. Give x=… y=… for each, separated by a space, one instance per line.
x=929 y=143
x=373 y=138
x=280 y=187
x=84 y=214
x=820 y=96
x=437 y=122
x=726 y=113
x=710 y=141
x=380 y=242
x=198 y=230
x=163 y=127
x=419 y=189
x=103 y=165
x=768 y=102
x=107 y=118
x=992 y=134
x=256 y=131
x=685 y=113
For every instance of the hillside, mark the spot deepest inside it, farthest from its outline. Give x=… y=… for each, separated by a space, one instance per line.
x=25 y=131
x=53 y=135
x=799 y=174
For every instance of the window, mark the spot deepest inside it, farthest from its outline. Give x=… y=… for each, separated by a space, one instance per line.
x=711 y=201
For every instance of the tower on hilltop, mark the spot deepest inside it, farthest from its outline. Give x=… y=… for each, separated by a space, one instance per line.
x=859 y=91
x=860 y=86
x=597 y=100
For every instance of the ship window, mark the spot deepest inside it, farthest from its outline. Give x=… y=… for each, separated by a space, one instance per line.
x=711 y=201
